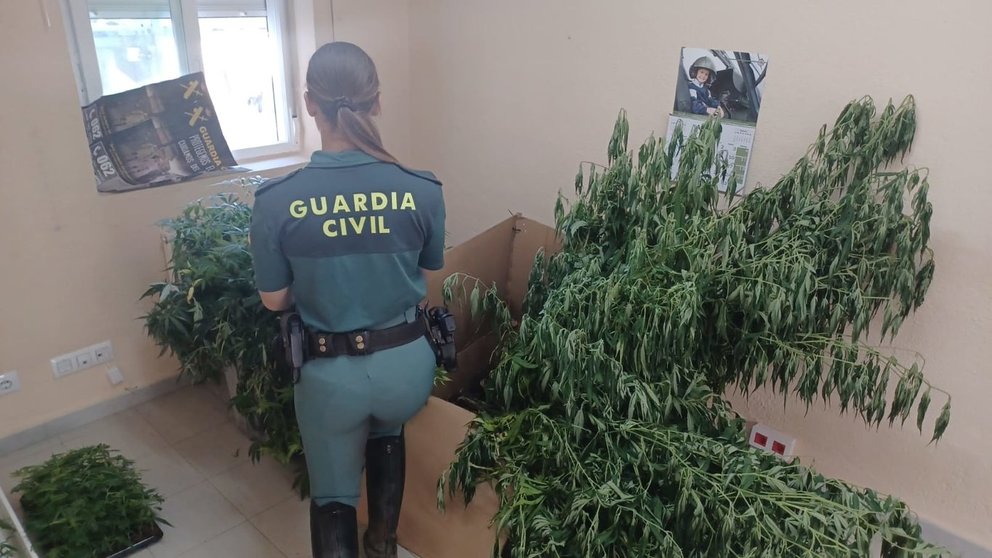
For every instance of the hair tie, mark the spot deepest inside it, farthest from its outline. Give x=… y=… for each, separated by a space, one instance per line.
x=342 y=102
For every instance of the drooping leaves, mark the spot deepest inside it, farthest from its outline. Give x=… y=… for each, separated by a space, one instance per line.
x=605 y=431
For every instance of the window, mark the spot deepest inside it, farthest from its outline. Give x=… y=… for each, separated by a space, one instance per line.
x=240 y=45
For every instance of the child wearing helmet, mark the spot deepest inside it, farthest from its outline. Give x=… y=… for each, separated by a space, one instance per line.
x=701 y=74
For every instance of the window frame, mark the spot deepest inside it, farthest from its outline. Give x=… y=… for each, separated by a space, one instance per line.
x=185 y=24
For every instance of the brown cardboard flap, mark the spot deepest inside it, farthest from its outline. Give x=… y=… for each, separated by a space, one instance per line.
x=485 y=257
x=530 y=237
x=432 y=438
x=501 y=256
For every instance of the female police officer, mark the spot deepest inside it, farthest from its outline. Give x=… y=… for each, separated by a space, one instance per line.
x=345 y=239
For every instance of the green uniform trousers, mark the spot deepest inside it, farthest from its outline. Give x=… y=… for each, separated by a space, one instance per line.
x=342 y=402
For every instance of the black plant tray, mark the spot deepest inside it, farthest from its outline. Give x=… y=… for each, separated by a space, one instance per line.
x=150 y=536
x=144 y=539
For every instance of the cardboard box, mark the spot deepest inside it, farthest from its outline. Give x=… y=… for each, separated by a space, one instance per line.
x=501 y=256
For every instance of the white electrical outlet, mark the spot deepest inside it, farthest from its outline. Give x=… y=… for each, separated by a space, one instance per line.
x=773 y=441
x=84 y=359
x=103 y=352
x=9 y=382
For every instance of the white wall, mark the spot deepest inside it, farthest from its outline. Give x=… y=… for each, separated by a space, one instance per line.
x=382 y=28
x=509 y=97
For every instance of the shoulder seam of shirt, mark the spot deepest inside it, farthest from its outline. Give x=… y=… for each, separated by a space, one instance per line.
x=274 y=181
x=420 y=174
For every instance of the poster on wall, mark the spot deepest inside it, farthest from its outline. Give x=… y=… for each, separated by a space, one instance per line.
x=723 y=84
x=158 y=134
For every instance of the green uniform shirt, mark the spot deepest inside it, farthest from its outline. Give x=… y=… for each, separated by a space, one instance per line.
x=349 y=233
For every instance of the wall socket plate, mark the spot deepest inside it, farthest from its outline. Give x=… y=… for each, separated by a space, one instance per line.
x=9 y=382
x=82 y=359
x=773 y=441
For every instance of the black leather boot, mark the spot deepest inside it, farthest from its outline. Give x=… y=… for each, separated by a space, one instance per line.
x=333 y=530
x=385 y=473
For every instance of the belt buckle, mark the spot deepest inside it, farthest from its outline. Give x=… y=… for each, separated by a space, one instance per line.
x=358 y=342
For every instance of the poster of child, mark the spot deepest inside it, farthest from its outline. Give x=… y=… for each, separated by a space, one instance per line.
x=723 y=83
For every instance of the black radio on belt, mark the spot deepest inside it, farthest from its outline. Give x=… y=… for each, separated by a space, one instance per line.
x=441 y=328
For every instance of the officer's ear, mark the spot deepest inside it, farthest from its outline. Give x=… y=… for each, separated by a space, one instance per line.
x=312 y=108
x=376 y=109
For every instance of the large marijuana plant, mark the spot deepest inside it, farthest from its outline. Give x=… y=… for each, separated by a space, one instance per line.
x=210 y=316
x=605 y=430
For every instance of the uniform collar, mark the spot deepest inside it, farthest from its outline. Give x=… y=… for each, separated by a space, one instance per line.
x=335 y=159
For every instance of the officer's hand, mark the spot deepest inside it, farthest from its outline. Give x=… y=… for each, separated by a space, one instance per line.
x=710 y=111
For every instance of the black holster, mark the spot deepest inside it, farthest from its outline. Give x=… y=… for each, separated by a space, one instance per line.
x=294 y=342
x=441 y=333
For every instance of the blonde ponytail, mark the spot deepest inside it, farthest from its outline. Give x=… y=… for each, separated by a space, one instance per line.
x=342 y=79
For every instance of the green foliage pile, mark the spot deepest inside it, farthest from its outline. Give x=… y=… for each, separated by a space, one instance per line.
x=605 y=430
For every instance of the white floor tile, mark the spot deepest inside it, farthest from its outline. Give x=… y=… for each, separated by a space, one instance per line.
x=168 y=472
x=217 y=390
x=197 y=515
x=255 y=487
x=183 y=413
x=126 y=432
x=243 y=541
x=287 y=525
x=215 y=450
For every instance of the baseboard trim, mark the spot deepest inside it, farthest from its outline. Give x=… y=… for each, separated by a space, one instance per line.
x=42 y=432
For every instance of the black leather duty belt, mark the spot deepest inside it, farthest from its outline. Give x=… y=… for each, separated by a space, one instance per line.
x=365 y=342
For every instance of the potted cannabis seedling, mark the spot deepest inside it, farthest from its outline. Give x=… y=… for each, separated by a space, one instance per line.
x=88 y=503
x=604 y=427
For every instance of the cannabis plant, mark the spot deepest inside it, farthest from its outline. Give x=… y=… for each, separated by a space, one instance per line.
x=605 y=430
x=205 y=310
x=88 y=502
x=210 y=316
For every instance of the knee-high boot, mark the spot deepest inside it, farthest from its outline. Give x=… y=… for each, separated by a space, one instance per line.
x=333 y=530
x=385 y=470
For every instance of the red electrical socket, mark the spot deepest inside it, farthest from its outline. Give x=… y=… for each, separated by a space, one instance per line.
x=773 y=441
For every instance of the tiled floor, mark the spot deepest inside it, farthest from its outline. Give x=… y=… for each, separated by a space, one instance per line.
x=220 y=504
